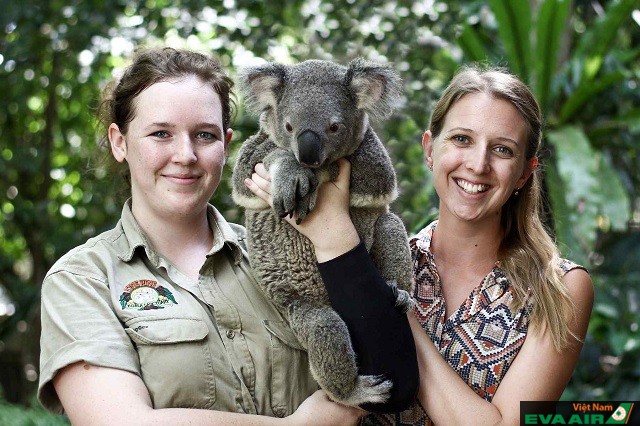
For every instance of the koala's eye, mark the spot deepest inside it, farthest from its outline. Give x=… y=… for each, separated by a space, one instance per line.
x=289 y=127
x=334 y=128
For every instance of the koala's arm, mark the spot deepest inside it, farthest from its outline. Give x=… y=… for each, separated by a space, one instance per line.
x=253 y=151
x=380 y=333
x=373 y=178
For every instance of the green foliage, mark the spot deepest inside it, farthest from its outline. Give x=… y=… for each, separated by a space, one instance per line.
x=514 y=29
x=552 y=21
x=581 y=62
x=17 y=415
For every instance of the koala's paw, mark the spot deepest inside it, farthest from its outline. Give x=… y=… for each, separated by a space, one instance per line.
x=404 y=302
x=294 y=193
x=369 y=389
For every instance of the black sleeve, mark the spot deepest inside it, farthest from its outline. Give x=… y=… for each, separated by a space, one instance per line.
x=380 y=333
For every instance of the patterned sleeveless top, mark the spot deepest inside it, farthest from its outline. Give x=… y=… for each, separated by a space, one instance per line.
x=480 y=340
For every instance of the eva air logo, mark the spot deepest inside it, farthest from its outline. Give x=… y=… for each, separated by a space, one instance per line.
x=621 y=414
x=578 y=413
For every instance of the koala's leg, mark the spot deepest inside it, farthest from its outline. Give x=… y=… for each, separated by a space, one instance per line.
x=391 y=253
x=373 y=179
x=331 y=357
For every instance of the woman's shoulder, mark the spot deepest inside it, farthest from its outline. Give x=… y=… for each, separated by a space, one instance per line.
x=92 y=257
x=578 y=283
x=567 y=265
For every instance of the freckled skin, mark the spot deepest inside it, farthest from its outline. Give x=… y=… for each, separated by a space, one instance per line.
x=175 y=149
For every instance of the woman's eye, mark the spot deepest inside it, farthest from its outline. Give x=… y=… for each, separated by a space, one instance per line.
x=206 y=136
x=503 y=150
x=160 y=134
x=460 y=139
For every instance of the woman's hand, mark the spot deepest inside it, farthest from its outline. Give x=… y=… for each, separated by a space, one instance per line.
x=318 y=409
x=328 y=226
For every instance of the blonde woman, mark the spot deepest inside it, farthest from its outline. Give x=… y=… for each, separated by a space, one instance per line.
x=500 y=316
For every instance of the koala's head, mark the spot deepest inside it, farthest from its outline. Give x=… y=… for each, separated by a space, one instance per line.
x=318 y=109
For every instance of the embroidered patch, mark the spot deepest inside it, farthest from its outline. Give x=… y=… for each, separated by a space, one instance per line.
x=144 y=295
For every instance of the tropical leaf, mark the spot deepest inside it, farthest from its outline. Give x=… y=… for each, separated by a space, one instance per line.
x=607 y=128
x=587 y=91
x=577 y=167
x=514 y=28
x=472 y=45
x=615 y=209
x=551 y=24
x=631 y=120
x=568 y=242
x=597 y=40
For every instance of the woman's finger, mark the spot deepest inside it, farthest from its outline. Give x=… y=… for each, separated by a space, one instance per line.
x=262 y=171
x=261 y=182
x=344 y=173
x=257 y=190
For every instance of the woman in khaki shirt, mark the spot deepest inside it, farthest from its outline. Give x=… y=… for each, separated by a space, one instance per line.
x=159 y=320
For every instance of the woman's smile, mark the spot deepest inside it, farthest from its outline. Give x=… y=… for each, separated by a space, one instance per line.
x=470 y=187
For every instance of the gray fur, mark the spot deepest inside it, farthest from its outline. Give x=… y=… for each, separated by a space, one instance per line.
x=315 y=113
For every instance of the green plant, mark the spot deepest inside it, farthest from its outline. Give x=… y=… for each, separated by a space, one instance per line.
x=19 y=415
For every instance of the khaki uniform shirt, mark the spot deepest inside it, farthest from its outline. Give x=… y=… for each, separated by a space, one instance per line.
x=217 y=343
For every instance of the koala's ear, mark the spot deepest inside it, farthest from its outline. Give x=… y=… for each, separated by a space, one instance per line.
x=377 y=88
x=261 y=85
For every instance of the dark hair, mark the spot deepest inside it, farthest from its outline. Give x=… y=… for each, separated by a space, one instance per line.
x=154 y=65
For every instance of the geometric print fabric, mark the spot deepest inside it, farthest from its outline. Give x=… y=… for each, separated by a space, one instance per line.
x=481 y=338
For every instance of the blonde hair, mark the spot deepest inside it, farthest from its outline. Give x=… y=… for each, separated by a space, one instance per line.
x=528 y=254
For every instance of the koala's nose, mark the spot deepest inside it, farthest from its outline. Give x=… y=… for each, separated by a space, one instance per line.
x=309 y=148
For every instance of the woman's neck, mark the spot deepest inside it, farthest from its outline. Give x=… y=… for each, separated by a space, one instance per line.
x=467 y=244
x=184 y=241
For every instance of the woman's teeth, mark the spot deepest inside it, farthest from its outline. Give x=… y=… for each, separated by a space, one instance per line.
x=470 y=187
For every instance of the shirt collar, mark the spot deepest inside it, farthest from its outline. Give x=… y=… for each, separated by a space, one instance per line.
x=422 y=240
x=223 y=235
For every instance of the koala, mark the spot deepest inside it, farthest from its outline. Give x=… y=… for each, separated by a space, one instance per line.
x=312 y=114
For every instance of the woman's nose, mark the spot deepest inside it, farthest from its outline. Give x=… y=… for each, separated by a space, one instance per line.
x=184 y=151
x=478 y=160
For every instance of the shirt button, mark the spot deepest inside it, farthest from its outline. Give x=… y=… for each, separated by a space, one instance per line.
x=231 y=334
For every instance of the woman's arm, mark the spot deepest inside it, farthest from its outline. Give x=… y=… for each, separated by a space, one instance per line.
x=539 y=372
x=328 y=226
x=380 y=334
x=107 y=396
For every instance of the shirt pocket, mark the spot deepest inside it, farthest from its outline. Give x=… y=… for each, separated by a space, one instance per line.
x=291 y=379
x=175 y=360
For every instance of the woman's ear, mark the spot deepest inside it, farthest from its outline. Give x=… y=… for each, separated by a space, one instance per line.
x=118 y=143
x=528 y=171
x=227 y=141
x=427 y=146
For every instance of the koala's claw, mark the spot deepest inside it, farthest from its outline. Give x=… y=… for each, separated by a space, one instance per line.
x=295 y=193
